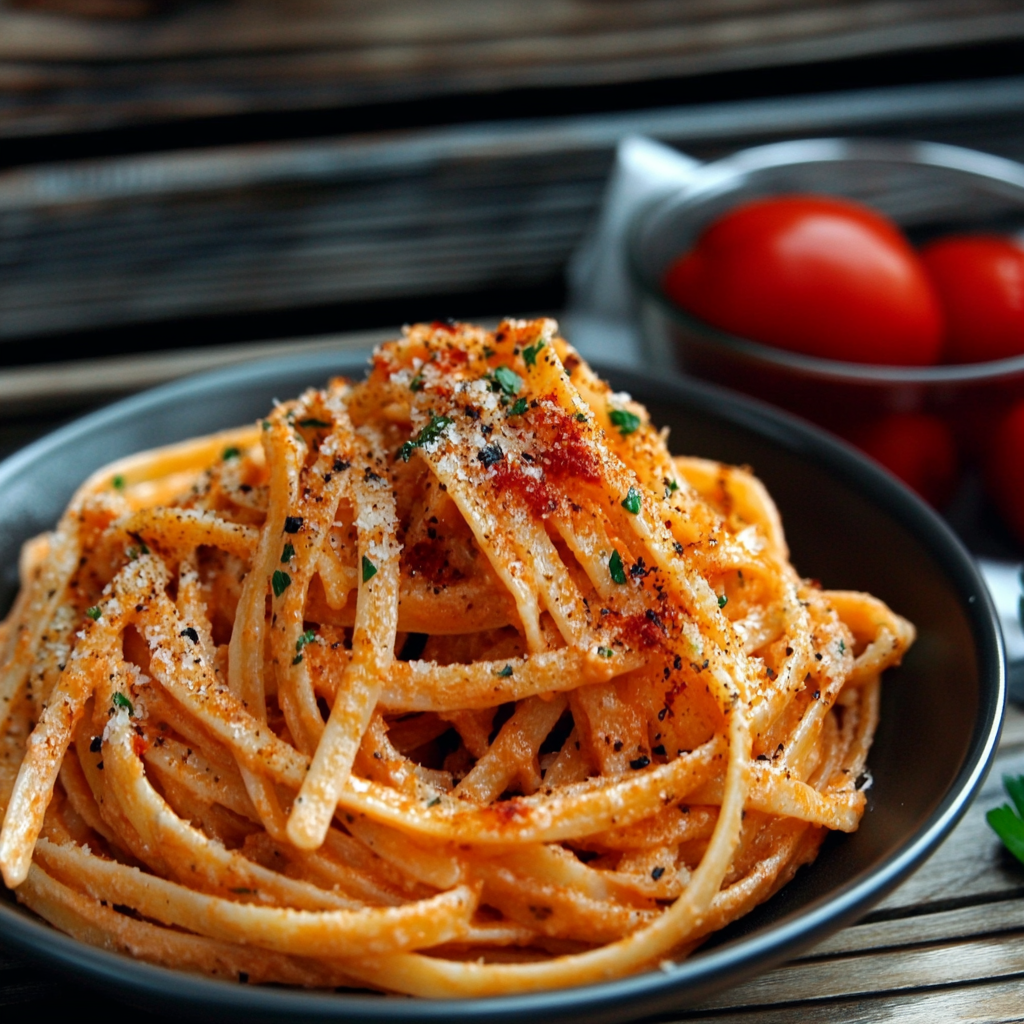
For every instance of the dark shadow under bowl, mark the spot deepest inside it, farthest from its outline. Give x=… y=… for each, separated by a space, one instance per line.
x=848 y=524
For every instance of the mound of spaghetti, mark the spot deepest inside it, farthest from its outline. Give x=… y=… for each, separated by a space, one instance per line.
x=451 y=682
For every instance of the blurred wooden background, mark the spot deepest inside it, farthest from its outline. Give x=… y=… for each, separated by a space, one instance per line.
x=207 y=172
x=230 y=56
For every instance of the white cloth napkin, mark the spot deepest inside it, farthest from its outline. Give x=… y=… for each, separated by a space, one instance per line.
x=600 y=319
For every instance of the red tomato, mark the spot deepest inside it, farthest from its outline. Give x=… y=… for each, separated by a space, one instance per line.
x=1004 y=470
x=822 y=276
x=918 y=448
x=980 y=283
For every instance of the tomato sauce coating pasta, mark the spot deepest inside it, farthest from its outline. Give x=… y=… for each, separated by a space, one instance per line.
x=451 y=682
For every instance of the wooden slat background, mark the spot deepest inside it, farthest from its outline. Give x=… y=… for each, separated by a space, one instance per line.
x=134 y=240
x=61 y=73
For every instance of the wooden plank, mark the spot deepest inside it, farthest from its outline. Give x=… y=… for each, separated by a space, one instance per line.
x=886 y=971
x=489 y=206
x=497 y=29
x=994 y=1003
x=943 y=926
x=59 y=74
x=88 y=381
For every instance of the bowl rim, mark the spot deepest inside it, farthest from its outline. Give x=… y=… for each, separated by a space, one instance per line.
x=713 y=177
x=139 y=982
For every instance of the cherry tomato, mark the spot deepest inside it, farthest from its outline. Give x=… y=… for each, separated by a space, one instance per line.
x=812 y=274
x=1004 y=470
x=980 y=283
x=918 y=448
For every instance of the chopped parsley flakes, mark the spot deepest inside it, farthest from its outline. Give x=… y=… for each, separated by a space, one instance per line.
x=121 y=701
x=616 y=568
x=280 y=581
x=627 y=422
x=369 y=570
x=530 y=353
x=631 y=503
x=431 y=432
x=287 y=552
x=1008 y=822
x=308 y=637
x=508 y=380
x=94 y=612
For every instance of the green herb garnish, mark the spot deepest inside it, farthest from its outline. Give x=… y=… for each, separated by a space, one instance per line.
x=279 y=581
x=530 y=353
x=605 y=652
x=369 y=570
x=1006 y=824
x=722 y=600
x=431 y=432
x=117 y=483
x=631 y=503
x=287 y=553
x=670 y=487
x=121 y=701
x=627 y=422
x=519 y=407
x=508 y=380
x=230 y=453
x=505 y=672
x=307 y=638
x=616 y=568
x=94 y=612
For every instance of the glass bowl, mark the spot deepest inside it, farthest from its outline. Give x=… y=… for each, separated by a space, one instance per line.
x=929 y=190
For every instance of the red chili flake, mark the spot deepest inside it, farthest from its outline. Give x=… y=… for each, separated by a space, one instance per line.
x=641 y=631
x=509 y=812
x=533 y=492
x=430 y=561
x=565 y=452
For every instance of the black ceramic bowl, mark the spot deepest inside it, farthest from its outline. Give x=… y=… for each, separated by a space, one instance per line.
x=849 y=525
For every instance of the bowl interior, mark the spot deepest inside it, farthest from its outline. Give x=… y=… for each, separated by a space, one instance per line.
x=848 y=524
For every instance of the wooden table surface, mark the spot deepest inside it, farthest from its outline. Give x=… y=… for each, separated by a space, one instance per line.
x=947 y=945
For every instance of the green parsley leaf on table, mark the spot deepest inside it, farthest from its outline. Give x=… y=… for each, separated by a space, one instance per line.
x=1005 y=822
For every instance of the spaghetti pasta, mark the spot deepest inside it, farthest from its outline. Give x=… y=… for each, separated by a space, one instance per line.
x=450 y=682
